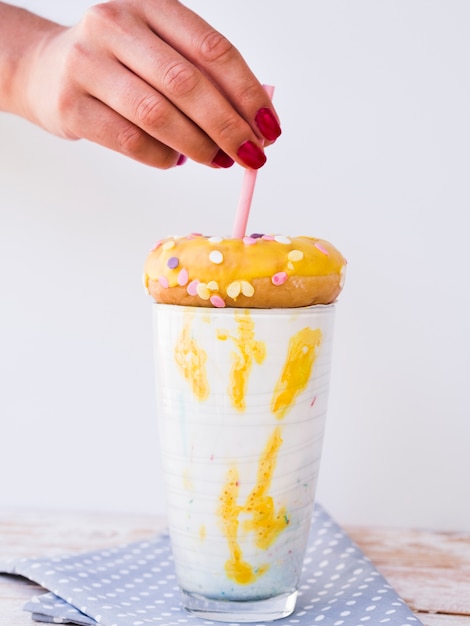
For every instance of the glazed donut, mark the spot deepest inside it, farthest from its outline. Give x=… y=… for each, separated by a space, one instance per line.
x=258 y=271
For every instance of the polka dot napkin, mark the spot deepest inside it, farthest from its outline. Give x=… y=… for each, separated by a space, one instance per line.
x=135 y=585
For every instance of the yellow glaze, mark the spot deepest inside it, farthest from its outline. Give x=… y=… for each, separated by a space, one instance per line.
x=295 y=375
x=262 y=519
x=247 y=350
x=191 y=360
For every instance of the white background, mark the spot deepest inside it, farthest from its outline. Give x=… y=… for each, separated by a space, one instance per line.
x=374 y=100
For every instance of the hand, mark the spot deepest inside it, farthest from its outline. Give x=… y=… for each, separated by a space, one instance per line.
x=152 y=80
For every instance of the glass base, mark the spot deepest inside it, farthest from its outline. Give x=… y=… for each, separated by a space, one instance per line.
x=243 y=611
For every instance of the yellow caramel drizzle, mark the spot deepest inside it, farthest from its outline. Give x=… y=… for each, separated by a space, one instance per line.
x=248 y=350
x=202 y=532
x=191 y=360
x=265 y=522
x=295 y=375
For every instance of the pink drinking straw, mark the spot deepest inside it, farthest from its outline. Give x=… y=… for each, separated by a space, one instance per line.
x=246 y=195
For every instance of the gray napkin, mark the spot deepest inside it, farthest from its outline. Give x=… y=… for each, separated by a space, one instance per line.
x=135 y=585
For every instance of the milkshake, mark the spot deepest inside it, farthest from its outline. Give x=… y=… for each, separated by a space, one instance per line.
x=242 y=396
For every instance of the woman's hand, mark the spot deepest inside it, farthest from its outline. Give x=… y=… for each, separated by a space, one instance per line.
x=148 y=78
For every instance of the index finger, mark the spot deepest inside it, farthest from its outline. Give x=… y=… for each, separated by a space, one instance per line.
x=219 y=60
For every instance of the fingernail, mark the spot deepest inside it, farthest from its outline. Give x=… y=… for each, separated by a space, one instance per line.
x=222 y=159
x=251 y=155
x=181 y=159
x=268 y=124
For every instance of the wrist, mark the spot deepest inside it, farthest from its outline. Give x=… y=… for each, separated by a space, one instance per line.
x=22 y=35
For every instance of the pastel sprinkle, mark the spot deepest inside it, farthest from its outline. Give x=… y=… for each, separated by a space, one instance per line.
x=213 y=285
x=173 y=262
x=234 y=289
x=203 y=292
x=249 y=241
x=168 y=245
x=215 y=239
x=290 y=265
x=282 y=239
x=192 y=288
x=183 y=277
x=157 y=245
x=163 y=280
x=256 y=235
x=217 y=301
x=279 y=278
x=216 y=257
x=267 y=237
x=247 y=288
x=321 y=248
x=295 y=255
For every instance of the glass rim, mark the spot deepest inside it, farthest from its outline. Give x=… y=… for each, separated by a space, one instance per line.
x=202 y=310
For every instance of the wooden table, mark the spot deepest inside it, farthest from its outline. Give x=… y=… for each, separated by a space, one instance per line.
x=430 y=570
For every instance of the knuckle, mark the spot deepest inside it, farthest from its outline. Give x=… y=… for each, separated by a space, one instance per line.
x=150 y=111
x=228 y=129
x=101 y=20
x=214 y=47
x=180 y=79
x=130 y=141
x=249 y=93
x=106 y=13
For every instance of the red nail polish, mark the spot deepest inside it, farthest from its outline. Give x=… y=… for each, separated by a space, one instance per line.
x=268 y=124
x=181 y=159
x=222 y=159
x=251 y=155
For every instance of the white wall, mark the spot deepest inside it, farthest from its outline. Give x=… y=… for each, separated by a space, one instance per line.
x=374 y=99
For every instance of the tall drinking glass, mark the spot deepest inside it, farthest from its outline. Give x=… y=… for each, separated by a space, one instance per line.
x=242 y=399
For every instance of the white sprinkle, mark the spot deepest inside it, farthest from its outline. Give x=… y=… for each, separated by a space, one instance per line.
x=216 y=257
x=282 y=239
